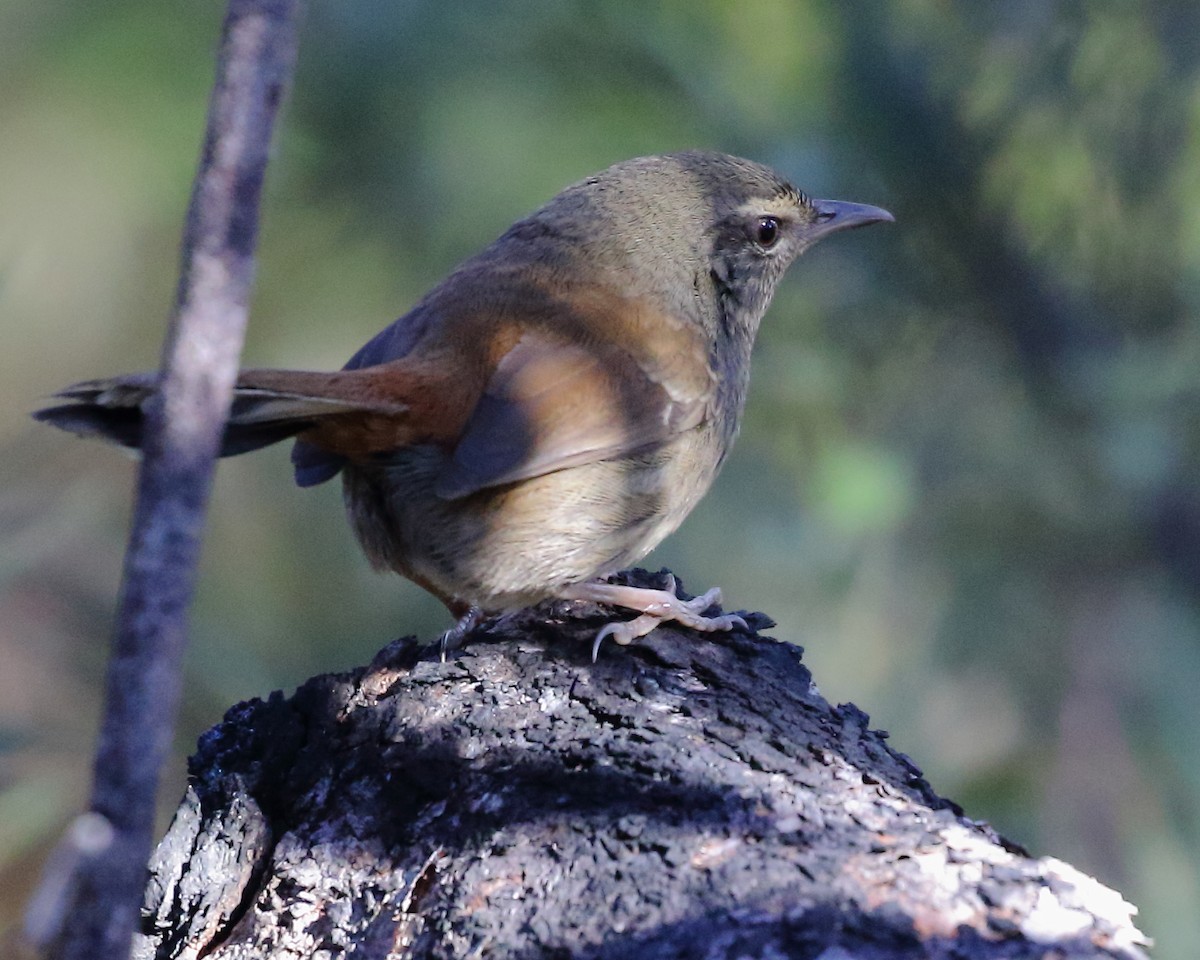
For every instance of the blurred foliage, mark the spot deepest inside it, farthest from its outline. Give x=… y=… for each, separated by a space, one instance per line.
x=967 y=480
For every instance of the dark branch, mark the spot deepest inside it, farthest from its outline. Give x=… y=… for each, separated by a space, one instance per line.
x=98 y=911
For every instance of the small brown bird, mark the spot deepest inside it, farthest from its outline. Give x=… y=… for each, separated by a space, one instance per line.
x=555 y=407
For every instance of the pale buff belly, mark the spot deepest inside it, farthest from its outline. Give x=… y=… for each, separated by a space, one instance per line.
x=510 y=546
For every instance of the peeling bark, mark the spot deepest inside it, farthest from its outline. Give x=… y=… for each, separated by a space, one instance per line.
x=688 y=796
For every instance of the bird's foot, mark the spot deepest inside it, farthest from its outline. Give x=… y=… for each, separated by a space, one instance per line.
x=655 y=606
x=451 y=639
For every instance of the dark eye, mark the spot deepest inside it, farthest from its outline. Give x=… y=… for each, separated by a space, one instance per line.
x=766 y=232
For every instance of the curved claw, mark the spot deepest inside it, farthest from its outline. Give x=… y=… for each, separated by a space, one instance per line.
x=606 y=631
x=451 y=638
x=625 y=632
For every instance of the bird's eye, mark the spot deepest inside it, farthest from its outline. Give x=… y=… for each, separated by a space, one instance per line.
x=766 y=232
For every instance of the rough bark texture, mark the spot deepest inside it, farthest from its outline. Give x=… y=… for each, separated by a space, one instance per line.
x=688 y=796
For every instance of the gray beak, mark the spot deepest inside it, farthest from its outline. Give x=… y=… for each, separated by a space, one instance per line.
x=835 y=215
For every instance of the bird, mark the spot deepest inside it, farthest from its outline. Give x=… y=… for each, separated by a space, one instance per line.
x=556 y=406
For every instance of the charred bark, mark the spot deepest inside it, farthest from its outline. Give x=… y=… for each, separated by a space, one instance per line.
x=687 y=796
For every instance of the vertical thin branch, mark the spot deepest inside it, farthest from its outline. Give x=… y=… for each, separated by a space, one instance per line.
x=184 y=426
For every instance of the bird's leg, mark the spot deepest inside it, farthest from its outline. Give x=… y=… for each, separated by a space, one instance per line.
x=655 y=606
x=465 y=624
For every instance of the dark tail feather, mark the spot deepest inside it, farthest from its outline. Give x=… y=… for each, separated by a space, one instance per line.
x=119 y=425
x=261 y=414
x=123 y=426
x=243 y=438
x=109 y=410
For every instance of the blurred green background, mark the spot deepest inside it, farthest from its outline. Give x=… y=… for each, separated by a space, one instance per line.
x=967 y=482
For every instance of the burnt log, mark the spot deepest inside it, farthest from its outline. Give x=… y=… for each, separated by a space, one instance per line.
x=687 y=796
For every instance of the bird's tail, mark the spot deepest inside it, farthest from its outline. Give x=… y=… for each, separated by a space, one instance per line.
x=268 y=406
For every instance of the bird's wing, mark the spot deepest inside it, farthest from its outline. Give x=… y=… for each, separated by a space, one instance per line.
x=553 y=403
